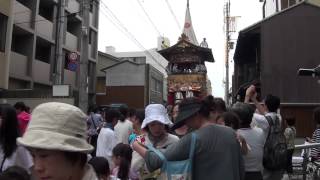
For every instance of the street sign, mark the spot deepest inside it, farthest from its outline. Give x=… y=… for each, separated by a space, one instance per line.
x=61 y=90
x=72 y=66
x=73 y=56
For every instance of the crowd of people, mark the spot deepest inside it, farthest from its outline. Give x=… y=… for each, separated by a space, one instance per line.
x=200 y=139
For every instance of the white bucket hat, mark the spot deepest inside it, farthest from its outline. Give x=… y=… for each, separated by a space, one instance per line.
x=156 y=112
x=57 y=126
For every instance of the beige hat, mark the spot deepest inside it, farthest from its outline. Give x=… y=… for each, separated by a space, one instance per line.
x=57 y=126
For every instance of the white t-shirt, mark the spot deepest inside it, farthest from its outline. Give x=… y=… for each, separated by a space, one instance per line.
x=255 y=138
x=107 y=140
x=123 y=130
x=260 y=121
x=21 y=157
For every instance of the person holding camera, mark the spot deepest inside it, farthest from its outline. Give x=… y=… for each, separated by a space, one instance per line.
x=269 y=121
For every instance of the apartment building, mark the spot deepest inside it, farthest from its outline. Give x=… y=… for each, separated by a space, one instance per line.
x=29 y=38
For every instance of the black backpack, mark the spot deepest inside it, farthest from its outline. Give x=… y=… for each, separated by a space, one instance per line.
x=275 y=148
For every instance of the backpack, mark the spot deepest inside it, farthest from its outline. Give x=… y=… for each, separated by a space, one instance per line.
x=275 y=148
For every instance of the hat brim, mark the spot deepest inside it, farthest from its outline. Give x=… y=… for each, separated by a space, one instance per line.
x=161 y=119
x=41 y=139
x=183 y=116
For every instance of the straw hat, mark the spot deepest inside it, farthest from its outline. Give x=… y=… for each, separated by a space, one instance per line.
x=156 y=112
x=57 y=126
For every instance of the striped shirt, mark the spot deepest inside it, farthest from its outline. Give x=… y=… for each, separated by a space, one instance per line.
x=315 y=152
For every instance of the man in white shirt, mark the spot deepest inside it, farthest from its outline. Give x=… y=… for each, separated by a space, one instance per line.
x=107 y=138
x=269 y=108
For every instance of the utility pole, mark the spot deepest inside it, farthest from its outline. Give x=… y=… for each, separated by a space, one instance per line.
x=227 y=31
x=84 y=46
x=229 y=28
x=59 y=41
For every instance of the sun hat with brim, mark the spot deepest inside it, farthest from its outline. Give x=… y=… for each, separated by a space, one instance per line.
x=186 y=110
x=57 y=126
x=156 y=112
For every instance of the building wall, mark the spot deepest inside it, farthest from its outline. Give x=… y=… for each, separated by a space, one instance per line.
x=126 y=74
x=6 y=10
x=133 y=96
x=155 y=85
x=303 y=114
x=270 y=7
x=292 y=45
x=103 y=62
x=273 y=6
x=155 y=60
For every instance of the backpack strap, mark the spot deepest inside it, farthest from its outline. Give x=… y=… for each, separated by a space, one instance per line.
x=193 y=145
x=2 y=162
x=158 y=153
x=270 y=120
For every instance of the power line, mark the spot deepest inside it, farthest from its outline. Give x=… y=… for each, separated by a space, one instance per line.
x=130 y=36
x=149 y=18
x=172 y=13
x=128 y=33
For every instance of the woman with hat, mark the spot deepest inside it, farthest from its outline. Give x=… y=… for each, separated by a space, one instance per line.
x=217 y=152
x=56 y=139
x=155 y=124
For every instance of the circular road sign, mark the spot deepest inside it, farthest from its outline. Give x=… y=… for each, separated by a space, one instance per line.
x=72 y=66
x=73 y=56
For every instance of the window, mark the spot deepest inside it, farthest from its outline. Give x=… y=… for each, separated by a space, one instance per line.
x=156 y=86
x=3 y=31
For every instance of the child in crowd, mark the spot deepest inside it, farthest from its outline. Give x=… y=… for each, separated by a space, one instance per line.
x=290 y=134
x=121 y=157
x=137 y=122
x=101 y=167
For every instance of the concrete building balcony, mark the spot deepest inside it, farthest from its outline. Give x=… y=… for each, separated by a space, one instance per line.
x=44 y=27
x=73 y=6
x=70 y=78
x=41 y=72
x=71 y=42
x=18 y=65
x=22 y=15
x=93 y=20
x=90 y=50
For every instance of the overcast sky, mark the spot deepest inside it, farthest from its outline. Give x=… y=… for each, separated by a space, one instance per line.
x=207 y=19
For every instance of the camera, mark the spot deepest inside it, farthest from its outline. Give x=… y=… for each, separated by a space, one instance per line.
x=309 y=72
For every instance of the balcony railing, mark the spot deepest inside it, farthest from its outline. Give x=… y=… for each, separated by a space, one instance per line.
x=22 y=15
x=71 y=42
x=18 y=64
x=41 y=72
x=93 y=20
x=44 y=27
x=73 y=6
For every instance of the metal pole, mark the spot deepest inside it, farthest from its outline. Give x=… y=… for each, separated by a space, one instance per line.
x=227 y=21
x=83 y=70
x=59 y=42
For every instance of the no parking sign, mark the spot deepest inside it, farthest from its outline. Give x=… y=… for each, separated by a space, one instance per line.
x=73 y=63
